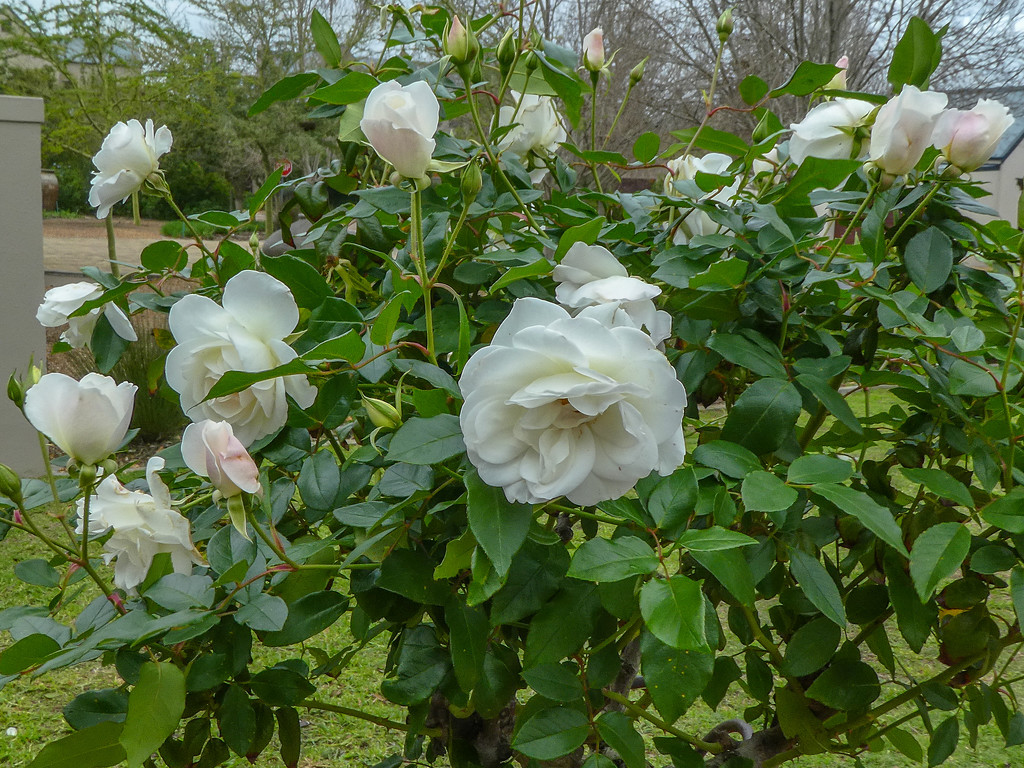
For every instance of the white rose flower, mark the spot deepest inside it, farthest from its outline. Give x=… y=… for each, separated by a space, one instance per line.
x=129 y=155
x=86 y=419
x=536 y=134
x=903 y=129
x=245 y=334
x=211 y=450
x=62 y=300
x=829 y=131
x=590 y=276
x=967 y=139
x=144 y=526
x=686 y=168
x=400 y=121
x=566 y=406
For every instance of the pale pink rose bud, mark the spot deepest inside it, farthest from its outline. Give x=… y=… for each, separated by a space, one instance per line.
x=967 y=139
x=211 y=450
x=838 y=81
x=460 y=43
x=593 y=50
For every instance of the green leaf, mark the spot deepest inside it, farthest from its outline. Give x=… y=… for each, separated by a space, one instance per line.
x=308 y=616
x=37 y=572
x=422 y=666
x=1017 y=591
x=325 y=40
x=281 y=686
x=905 y=743
x=534 y=577
x=764 y=416
x=618 y=731
x=557 y=682
x=970 y=380
x=764 y=492
x=264 y=613
x=427 y=441
x=941 y=483
x=675 y=678
x=236 y=381
x=410 y=573
x=468 y=628
x=728 y=458
x=929 y=259
x=673 y=500
x=870 y=513
x=586 y=233
x=551 y=733
x=236 y=719
x=732 y=571
x=602 y=560
x=498 y=682
x=1006 y=513
x=846 y=685
x=944 y=740
x=808 y=470
x=914 y=618
x=306 y=284
x=811 y=647
x=499 y=525
x=319 y=480
x=741 y=351
x=176 y=592
x=807 y=78
x=714 y=539
x=673 y=610
x=108 y=705
x=565 y=622
x=155 y=706
x=283 y=90
x=819 y=587
x=95 y=747
x=915 y=57
x=937 y=552
x=164 y=255
x=539 y=267
x=28 y=652
x=645 y=148
x=713 y=140
x=834 y=402
x=266 y=189
x=752 y=89
x=351 y=88
x=107 y=347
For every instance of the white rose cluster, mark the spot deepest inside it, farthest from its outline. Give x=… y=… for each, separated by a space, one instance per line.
x=562 y=405
x=144 y=525
x=245 y=333
x=63 y=300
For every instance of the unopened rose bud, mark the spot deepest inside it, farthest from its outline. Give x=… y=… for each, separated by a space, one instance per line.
x=34 y=374
x=10 y=484
x=460 y=43
x=507 y=49
x=86 y=475
x=593 y=50
x=762 y=130
x=636 y=74
x=532 y=61
x=472 y=182
x=838 y=81
x=724 y=25
x=15 y=391
x=382 y=414
x=109 y=466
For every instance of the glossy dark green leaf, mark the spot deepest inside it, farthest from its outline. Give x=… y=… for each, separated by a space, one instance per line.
x=177 y=591
x=533 y=578
x=673 y=610
x=237 y=720
x=731 y=569
x=915 y=56
x=807 y=78
x=164 y=255
x=944 y=741
x=941 y=483
x=601 y=560
x=936 y=554
x=741 y=351
x=499 y=525
x=870 y=513
x=818 y=585
x=817 y=468
x=929 y=259
x=27 y=652
x=728 y=458
x=308 y=616
x=155 y=706
x=846 y=685
x=811 y=647
x=427 y=441
x=765 y=492
x=557 y=682
x=468 y=630
x=264 y=613
x=764 y=416
x=618 y=732
x=97 y=746
x=914 y=618
x=422 y=666
x=561 y=627
x=675 y=678
x=281 y=686
x=284 y=90
x=1007 y=512
x=551 y=733
x=325 y=40
x=646 y=146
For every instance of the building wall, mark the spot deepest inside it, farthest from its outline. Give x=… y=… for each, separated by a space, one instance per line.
x=1002 y=184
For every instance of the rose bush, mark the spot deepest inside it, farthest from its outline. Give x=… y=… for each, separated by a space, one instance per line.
x=453 y=450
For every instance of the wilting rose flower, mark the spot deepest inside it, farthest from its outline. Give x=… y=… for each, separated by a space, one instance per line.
x=967 y=139
x=566 y=406
x=211 y=450
x=590 y=276
x=537 y=131
x=245 y=334
x=400 y=121
x=144 y=526
x=61 y=301
x=129 y=155
x=86 y=419
x=903 y=129
x=686 y=168
x=830 y=131
x=593 y=50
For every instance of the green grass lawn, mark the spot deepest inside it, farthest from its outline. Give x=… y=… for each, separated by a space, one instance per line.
x=33 y=705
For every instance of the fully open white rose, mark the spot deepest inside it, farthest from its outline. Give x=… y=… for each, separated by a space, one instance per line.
x=211 y=450
x=903 y=129
x=144 y=526
x=537 y=131
x=830 y=131
x=86 y=419
x=566 y=406
x=968 y=138
x=686 y=168
x=245 y=334
x=62 y=300
x=128 y=156
x=400 y=121
x=590 y=276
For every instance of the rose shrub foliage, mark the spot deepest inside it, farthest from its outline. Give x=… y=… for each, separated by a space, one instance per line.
x=582 y=456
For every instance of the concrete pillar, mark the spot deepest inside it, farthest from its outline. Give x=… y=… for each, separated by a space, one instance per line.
x=21 y=282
